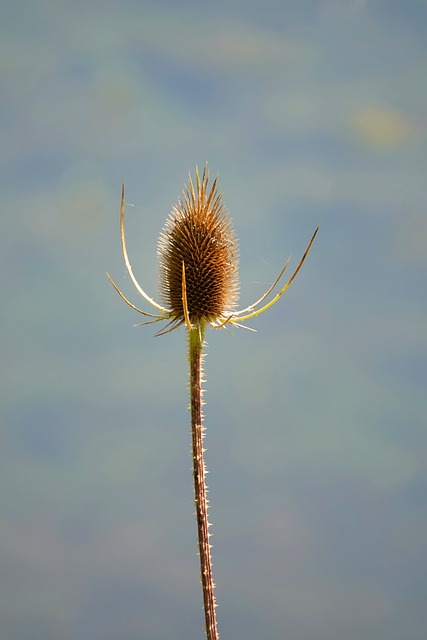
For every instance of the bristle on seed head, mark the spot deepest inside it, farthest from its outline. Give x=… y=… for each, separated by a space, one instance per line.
x=199 y=235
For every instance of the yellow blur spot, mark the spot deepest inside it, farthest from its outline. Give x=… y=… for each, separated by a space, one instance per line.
x=381 y=128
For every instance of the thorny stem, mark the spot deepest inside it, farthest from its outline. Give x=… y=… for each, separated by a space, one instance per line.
x=195 y=356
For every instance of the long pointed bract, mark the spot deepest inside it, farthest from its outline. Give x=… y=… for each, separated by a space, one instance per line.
x=144 y=313
x=264 y=296
x=126 y=257
x=282 y=291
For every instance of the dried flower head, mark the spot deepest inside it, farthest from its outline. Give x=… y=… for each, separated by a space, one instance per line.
x=199 y=236
x=198 y=254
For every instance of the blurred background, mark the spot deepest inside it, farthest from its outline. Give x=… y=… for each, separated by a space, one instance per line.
x=310 y=112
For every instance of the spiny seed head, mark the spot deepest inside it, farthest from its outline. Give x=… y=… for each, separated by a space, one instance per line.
x=199 y=234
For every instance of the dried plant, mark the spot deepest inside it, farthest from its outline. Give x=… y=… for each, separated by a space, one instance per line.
x=198 y=255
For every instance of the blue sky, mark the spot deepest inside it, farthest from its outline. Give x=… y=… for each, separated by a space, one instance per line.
x=310 y=112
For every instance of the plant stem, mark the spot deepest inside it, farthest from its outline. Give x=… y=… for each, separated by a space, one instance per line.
x=195 y=357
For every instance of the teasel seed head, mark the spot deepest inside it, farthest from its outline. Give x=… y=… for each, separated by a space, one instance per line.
x=198 y=240
x=198 y=272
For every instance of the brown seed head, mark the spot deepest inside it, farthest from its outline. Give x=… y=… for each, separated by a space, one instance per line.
x=199 y=234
